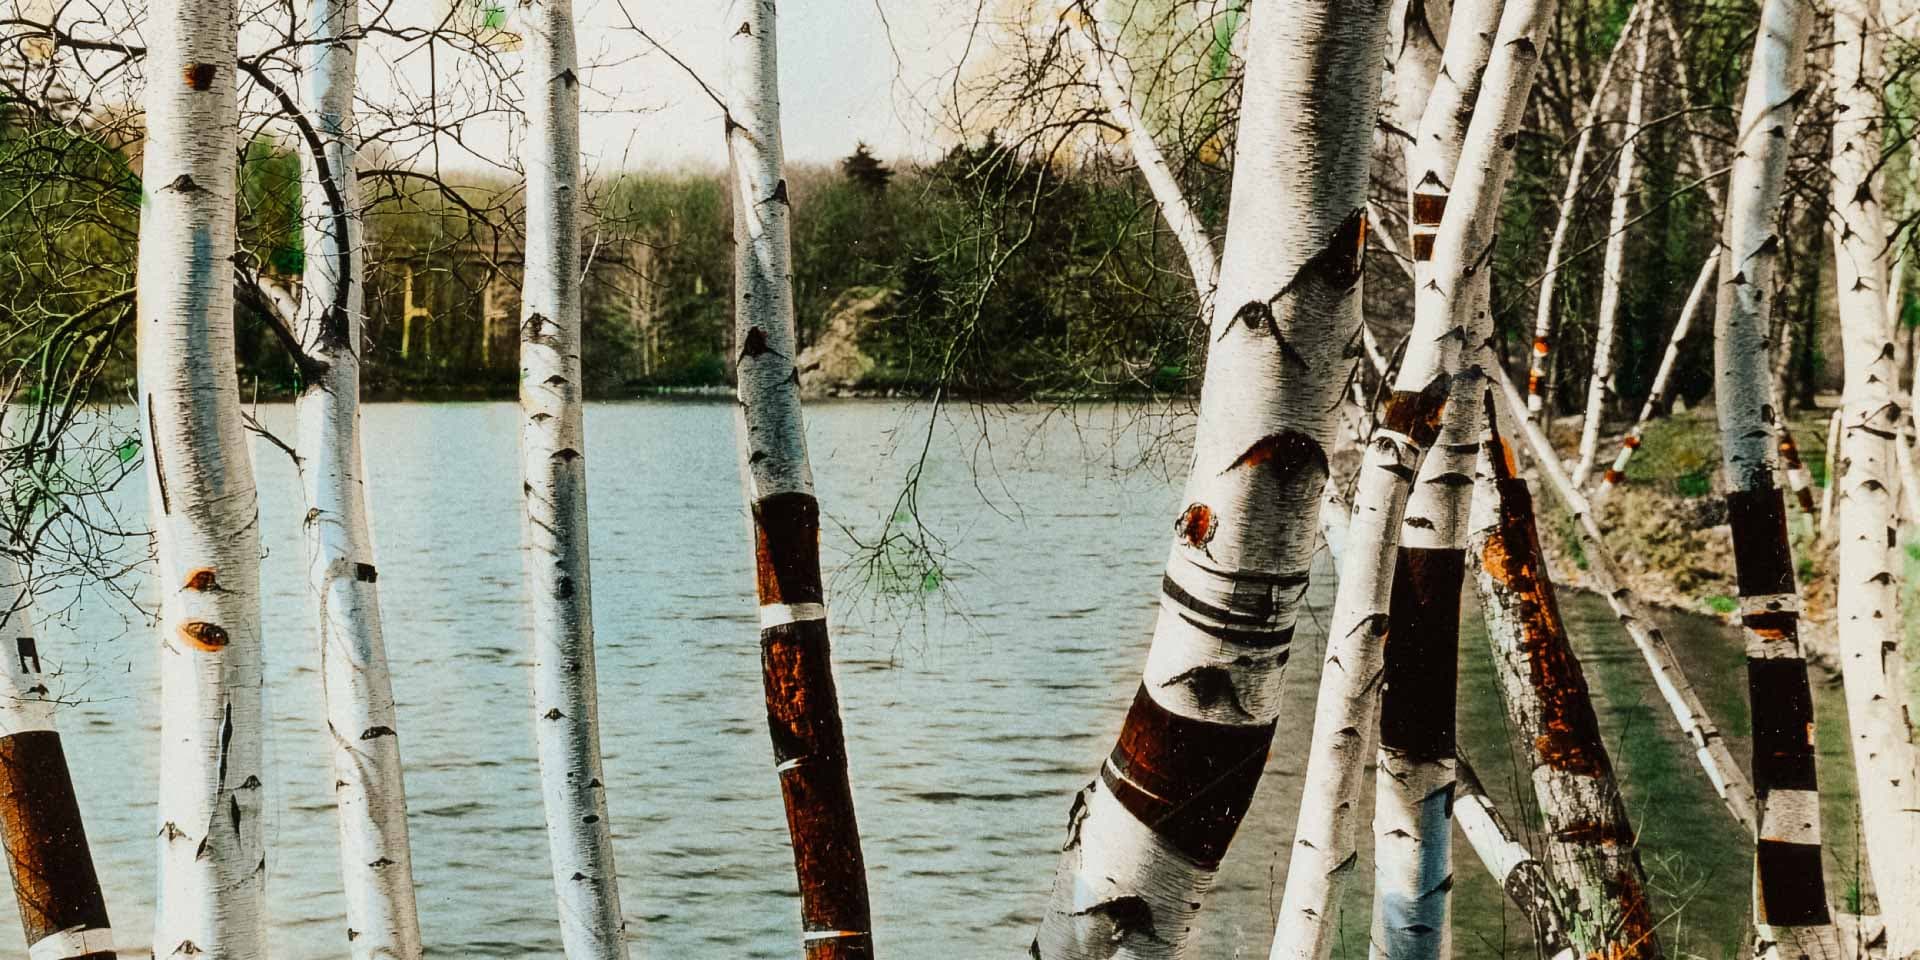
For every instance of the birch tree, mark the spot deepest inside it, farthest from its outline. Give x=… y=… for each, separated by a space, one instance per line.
x=1414 y=780
x=1600 y=381
x=1543 y=309
x=553 y=459
x=212 y=853
x=376 y=860
x=1346 y=710
x=803 y=710
x=1145 y=839
x=62 y=910
x=1790 y=904
x=1591 y=845
x=1868 y=580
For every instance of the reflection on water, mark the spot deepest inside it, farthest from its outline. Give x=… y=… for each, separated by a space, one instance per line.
x=971 y=722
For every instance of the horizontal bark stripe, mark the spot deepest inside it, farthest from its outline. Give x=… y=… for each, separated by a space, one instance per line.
x=1422 y=654
x=46 y=842
x=1773 y=634
x=1257 y=605
x=803 y=710
x=776 y=614
x=1423 y=247
x=1429 y=208
x=1793 y=889
x=87 y=943
x=786 y=549
x=1190 y=781
x=1783 y=757
x=1762 y=558
x=1252 y=639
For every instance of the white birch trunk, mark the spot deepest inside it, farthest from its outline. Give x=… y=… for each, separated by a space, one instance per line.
x=1657 y=396
x=1414 y=778
x=1101 y=49
x=211 y=849
x=62 y=911
x=1600 y=381
x=1790 y=905
x=1683 y=701
x=1825 y=529
x=1146 y=837
x=553 y=461
x=1543 y=307
x=376 y=861
x=1868 y=579
x=803 y=712
x=1346 y=712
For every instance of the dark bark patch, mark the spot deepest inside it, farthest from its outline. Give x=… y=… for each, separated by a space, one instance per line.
x=1212 y=688
x=45 y=838
x=1130 y=916
x=1428 y=208
x=1783 y=749
x=1188 y=780
x=1791 y=880
x=202 y=579
x=182 y=184
x=1417 y=413
x=1286 y=454
x=1762 y=556
x=1422 y=654
x=199 y=76
x=204 y=636
x=1339 y=264
x=754 y=344
x=786 y=529
x=365 y=573
x=376 y=732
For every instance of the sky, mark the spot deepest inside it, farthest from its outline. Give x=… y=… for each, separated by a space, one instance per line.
x=851 y=71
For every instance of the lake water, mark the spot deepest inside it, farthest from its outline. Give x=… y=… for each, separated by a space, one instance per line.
x=971 y=721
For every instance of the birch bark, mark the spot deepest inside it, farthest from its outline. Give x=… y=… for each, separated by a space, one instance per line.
x=376 y=861
x=1590 y=838
x=803 y=710
x=1145 y=839
x=211 y=850
x=1790 y=903
x=1414 y=778
x=1543 y=308
x=1346 y=714
x=1868 y=579
x=62 y=911
x=1600 y=382
x=553 y=462
x=1657 y=395
x=1525 y=879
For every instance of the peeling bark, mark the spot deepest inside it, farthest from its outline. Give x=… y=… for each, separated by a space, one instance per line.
x=1590 y=839
x=803 y=710
x=376 y=860
x=205 y=514
x=566 y=704
x=62 y=910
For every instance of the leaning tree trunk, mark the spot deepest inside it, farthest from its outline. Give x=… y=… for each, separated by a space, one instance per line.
x=1346 y=711
x=803 y=709
x=1868 y=579
x=212 y=852
x=1709 y=747
x=1146 y=838
x=376 y=860
x=1600 y=382
x=1790 y=902
x=1590 y=838
x=1543 y=309
x=553 y=460
x=1414 y=778
x=62 y=911
x=1657 y=396
x=1525 y=879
